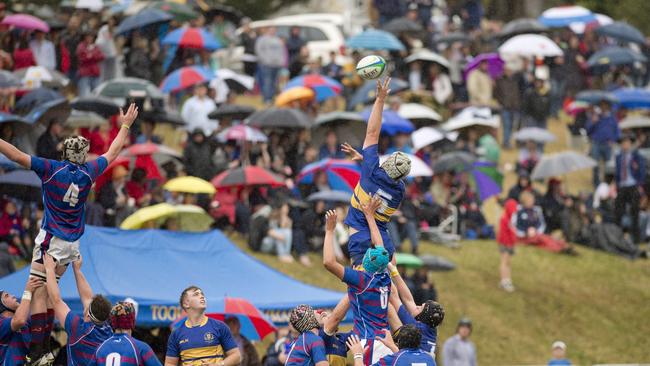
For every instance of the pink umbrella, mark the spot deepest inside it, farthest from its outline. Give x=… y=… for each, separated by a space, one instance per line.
x=25 y=21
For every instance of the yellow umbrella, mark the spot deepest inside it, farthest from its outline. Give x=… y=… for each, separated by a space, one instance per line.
x=295 y=94
x=189 y=217
x=189 y=185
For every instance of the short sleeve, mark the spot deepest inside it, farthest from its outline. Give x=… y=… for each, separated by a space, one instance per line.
x=405 y=316
x=172 y=345
x=353 y=278
x=370 y=160
x=42 y=167
x=317 y=351
x=96 y=167
x=226 y=340
x=73 y=325
x=5 y=328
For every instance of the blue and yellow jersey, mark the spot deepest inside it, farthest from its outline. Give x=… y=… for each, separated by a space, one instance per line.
x=207 y=342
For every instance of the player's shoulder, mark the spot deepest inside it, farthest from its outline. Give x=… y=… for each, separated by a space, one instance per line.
x=217 y=325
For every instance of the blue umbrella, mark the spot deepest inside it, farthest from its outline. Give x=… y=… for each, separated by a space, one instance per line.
x=323 y=86
x=330 y=196
x=596 y=96
x=622 y=31
x=366 y=93
x=58 y=109
x=633 y=97
x=392 y=123
x=373 y=39
x=22 y=184
x=34 y=98
x=615 y=55
x=19 y=124
x=563 y=16
x=142 y=19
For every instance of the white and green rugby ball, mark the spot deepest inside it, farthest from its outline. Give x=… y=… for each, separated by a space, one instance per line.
x=371 y=67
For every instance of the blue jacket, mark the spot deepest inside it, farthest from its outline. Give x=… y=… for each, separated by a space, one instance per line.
x=637 y=168
x=605 y=129
x=526 y=218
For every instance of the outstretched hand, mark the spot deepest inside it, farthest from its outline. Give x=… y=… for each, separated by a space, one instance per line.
x=330 y=220
x=354 y=344
x=130 y=116
x=351 y=152
x=383 y=88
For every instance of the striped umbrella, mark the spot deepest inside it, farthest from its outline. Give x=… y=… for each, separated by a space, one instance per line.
x=192 y=38
x=375 y=40
x=323 y=86
x=562 y=16
x=242 y=133
x=247 y=176
x=186 y=77
x=342 y=175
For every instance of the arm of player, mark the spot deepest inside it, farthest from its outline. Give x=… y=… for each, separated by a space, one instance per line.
x=393 y=318
x=233 y=358
x=329 y=258
x=369 y=210
x=402 y=290
x=171 y=361
x=22 y=312
x=374 y=122
x=352 y=153
x=388 y=341
x=61 y=309
x=354 y=344
x=85 y=292
x=331 y=323
x=15 y=155
x=117 y=144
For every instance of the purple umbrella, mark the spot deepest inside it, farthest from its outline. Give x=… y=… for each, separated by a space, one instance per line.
x=495 y=64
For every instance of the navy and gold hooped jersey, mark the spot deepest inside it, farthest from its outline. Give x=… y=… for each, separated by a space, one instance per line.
x=207 y=342
x=374 y=180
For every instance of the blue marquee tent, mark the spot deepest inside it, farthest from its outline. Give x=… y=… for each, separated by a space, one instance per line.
x=153 y=266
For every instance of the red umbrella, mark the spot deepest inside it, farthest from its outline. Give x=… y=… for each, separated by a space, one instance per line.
x=247 y=176
x=144 y=162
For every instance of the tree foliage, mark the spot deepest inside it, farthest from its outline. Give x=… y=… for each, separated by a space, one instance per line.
x=261 y=9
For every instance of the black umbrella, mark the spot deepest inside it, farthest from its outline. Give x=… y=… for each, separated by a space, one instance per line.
x=232 y=14
x=35 y=98
x=522 y=26
x=8 y=79
x=280 y=118
x=57 y=109
x=162 y=116
x=232 y=111
x=402 y=25
x=453 y=161
x=101 y=105
x=622 y=31
x=615 y=55
x=19 y=124
x=143 y=18
x=337 y=117
x=21 y=184
x=349 y=127
x=436 y=263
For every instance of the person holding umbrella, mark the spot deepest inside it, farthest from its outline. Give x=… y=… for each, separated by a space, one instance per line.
x=630 y=176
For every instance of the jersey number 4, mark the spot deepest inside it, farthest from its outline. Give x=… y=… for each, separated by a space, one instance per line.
x=113 y=359
x=72 y=195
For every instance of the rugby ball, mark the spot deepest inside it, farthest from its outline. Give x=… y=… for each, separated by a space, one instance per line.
x=371 y=67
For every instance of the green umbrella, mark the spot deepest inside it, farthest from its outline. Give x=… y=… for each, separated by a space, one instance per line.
x=490 y=147
x=180 y=12
x=408 y=260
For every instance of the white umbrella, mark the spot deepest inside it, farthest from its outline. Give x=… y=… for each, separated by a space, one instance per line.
x=418 y=167
x=227 y=75
x=561 y=163
x=579 y=27
x=472 y=116
x=530 y=45
x=92 y=5
x=634 y=122
x=428 y=135
x=415 y=111
x=36 y=76
x=534 y=134
x=427 y=56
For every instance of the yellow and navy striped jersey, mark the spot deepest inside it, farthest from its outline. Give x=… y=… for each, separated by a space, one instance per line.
x=206 y=342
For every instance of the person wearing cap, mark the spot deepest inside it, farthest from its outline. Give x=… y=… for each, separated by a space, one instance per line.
x=122 y=349
x=558 y=355
x=308 y=349
x=406 y=348
x=14 y=323
x=368 y=285
x=630 y=176
x=459 y=350
x=603 y=132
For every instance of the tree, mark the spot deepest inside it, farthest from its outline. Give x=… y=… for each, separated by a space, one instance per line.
x=257 y=9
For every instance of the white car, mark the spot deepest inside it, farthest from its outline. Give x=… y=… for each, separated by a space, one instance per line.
x=347 y=23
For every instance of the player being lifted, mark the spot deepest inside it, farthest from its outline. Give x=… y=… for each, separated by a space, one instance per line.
x=65 y=185
x=383 y=180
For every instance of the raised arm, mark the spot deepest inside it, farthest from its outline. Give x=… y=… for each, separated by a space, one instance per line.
x=15 y=155
x=369 y=210
x=332 y=321
x=403 y=290
x=60 y=308
x=22 y=312
x=374 y=122
x=85 y=292
x=126 y=120
x=329 y=258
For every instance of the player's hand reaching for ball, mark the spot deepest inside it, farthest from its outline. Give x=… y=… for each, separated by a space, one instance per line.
x=48 y=262
x=351 y=152
x=130 y=115
x=354 y=344
x=383 y=88
x=33 y=283
x=330 y=220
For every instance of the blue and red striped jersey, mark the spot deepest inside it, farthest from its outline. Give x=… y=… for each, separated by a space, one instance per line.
x=122 y=349
x=84 y=338
x=368 y=294
x=5 y=335
x=65 y=188
x=407 y=357
x=17 y=346
x=429 y=334
x=308 y=349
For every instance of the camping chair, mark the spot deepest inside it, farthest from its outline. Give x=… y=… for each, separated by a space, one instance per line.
x=446 y=233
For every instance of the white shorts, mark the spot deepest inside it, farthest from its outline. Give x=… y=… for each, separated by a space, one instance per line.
x=373 y=351
x=64 y=252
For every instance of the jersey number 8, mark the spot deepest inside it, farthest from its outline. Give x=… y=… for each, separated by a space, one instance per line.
x=113 y=359
x=72 y=195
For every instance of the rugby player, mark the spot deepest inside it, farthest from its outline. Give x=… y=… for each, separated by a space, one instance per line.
x=14 y=324
x=405 y=352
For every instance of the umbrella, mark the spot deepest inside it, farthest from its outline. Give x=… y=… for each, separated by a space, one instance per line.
x=453 y=161
x=240 y=83
x=425 y=55
x=230 y=13
x=576 y=107
x=452 y=38
x=521 y=26
x=596 y=96
x=633 y=98
x=25 y=21
x=375 y=40
x=402 y=25
x=436 y=263
x=189 y=217
x=82 y=119
x=530 y=45
x=8 y=80
x=145 y=163
x=105 y=107
x=615 y=55
x=247 y=176
x=408 y=260
x=495 y=65
x=426 y=136
x=342 y=175
x=36 y=76
x=562 y=16
x=186 y=77
x=419 y=114
x=534 y=134
x=189 y=184
x=232 y=111
x=330 y=196
x=391 y=122
x=622 y=31
x=92 y=5
x=296 y=94
x=143 y=18
x=561 y=163
x=21 y=184
x=242 y=133
x=349 y=127
x=280 y=118
x=366 y=93
x=471 y=117
x=128 y=87
x=57 y=109
x=162 y=116
x=254 y=325
x=180 y=12
x=192 y=38
x=418 y=167
x=487 y=180
x=161 y=153
x=35 y=97
x=19 y=124
x=323 y=86
x=580 y=27
x=634 y=122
